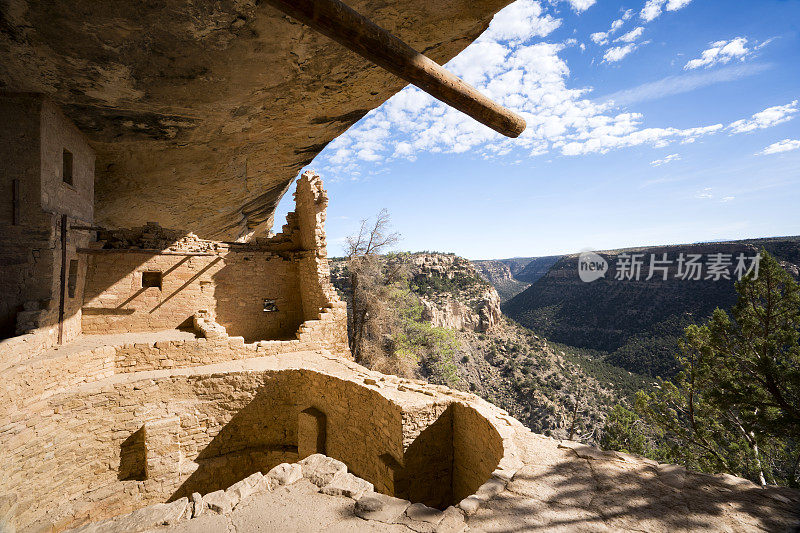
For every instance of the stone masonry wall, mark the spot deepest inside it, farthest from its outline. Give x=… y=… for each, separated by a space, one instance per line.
x=34 y=198
x=80 y=415
x=225 y=427
x=20 y=243
x=232 y=285
x=234 y=282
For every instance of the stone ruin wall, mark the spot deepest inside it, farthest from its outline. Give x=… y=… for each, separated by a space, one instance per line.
x=34 y=198
x=231 y=285
x=106 y=449
x=229 y=281
x=88 y=438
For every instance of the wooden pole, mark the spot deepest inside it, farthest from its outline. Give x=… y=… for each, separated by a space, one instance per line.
x=347 y=27
x=63 y=284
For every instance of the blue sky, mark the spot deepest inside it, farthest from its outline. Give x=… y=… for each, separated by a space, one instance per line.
x=649 y=122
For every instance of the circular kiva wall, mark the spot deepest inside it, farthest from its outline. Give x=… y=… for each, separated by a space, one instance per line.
x=84 y=451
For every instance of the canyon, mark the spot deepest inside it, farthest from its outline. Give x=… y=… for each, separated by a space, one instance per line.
x=169 y=362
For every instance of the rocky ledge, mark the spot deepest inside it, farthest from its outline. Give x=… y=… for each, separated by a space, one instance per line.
x=314 y=475
x=564 y=486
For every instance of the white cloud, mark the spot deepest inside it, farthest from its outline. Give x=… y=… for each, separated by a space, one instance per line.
x=674 y=5
x=765 y=43
x=668 y=159
x=772 y=116
x=601 y=37
x=527 y=76
x=581 y=5
x=721 y=52
x=520 y=21
x=617 y=53
x=705 y=194
x=631 y=36
x=708 y=194
x=786 y=145
x=617 y=24
x=653 y=8
x=682 y=84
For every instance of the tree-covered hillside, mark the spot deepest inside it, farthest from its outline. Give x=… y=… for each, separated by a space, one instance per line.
x=635 y=324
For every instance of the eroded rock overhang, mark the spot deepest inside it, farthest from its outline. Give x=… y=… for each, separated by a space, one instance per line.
x=202 y=114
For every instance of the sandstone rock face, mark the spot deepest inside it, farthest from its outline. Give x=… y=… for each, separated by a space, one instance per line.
x=494 y=271
x=501 y=276
x=512 y=276
x=451 y=313
x=453 y=295
x=202 y=113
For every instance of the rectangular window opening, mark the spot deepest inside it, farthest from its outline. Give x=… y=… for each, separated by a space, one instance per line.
x=270 y=306
x=151 y=279
x=72 y=281
x=66 y=167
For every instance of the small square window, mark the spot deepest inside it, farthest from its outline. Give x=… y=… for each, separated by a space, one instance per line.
x=270 y=306
x=151 y=279
x=66 y=167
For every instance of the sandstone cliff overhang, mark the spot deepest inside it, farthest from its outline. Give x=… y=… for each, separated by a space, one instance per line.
x=201 y=114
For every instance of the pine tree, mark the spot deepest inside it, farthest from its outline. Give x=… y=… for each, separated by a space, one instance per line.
x=624 y=431
x=735 y=407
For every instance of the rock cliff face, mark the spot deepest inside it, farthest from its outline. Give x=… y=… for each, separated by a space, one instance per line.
x=202 y=113
x=498 y=273
x=534 y=269
x=493 y=271
x=512 y=276
x=489 y=355
x=453 y=295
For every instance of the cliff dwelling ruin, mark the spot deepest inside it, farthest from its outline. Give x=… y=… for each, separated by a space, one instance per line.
x=165 y=356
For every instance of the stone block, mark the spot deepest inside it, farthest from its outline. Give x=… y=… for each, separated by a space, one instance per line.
x=218 y=501
x=470 y=505
x=197 y=504
x=452 y=521
x=285 y=474
x=346 y=484
x=380 y=507
x=244 y=488
x=421 y=518
x=321 y=470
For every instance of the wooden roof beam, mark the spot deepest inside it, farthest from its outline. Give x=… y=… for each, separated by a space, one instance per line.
x=352 y=30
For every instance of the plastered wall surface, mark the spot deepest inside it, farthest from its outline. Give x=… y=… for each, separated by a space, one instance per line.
x=232 y=285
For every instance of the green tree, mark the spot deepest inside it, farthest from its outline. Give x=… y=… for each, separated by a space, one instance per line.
x=626 y=432
x=735 y=406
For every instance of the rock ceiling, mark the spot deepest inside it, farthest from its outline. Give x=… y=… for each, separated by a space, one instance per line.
x=203 y=112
